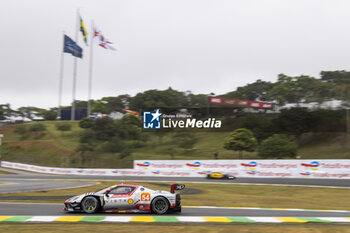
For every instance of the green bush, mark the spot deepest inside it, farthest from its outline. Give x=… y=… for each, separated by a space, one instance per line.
x=86 y=136
x=63 y=126
x=49 y=115
x=20 y=129
x=241 y=140
x=278 y=146
x=114 y=145
x=36 y=127
x=104 y=128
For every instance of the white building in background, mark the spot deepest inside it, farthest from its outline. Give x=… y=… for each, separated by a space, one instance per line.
x=331 y=104
x=116 y=115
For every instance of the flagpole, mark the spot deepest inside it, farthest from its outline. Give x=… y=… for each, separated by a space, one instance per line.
x=90 y=68
x=75 y=69
x=61 y=81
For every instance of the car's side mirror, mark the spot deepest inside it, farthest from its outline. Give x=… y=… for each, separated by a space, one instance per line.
x=107 y=192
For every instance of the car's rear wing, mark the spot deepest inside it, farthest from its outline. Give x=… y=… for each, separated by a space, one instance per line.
x=176 y=187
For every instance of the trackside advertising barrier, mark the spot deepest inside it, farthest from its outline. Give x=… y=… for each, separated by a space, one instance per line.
x=328 y=169
x=73 y=171
x=250 y=168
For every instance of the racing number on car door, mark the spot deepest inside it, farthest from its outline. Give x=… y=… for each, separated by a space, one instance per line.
x=145 y=197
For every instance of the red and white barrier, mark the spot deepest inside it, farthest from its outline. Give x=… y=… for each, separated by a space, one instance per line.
x=252 y=168
x=336 y=169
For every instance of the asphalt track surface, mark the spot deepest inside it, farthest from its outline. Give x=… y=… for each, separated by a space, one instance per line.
x=277 y=181
x=13 y=185
x=44 y=209
x=25 y=181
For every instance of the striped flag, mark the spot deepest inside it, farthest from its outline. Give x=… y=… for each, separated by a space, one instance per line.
x=102 y=41
x=71 y=47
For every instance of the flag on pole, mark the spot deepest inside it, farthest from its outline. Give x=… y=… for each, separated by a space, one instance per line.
x=71 y=47
x=102 y=41
x=83 y=30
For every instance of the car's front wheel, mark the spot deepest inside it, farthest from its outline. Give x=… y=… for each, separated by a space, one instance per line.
x=90 y=204
x=160 y=205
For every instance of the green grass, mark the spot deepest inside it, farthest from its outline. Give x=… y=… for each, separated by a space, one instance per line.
x=5 y=173
x=54 y=148
x=233 y=195
x=160 y=228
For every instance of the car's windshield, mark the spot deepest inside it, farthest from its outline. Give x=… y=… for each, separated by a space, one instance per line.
x=103 y=190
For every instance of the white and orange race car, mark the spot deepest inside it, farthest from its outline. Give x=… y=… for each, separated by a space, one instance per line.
x=124 y=198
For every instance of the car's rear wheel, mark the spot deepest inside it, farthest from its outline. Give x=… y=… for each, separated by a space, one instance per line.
x=90 y=204
x=160 y=205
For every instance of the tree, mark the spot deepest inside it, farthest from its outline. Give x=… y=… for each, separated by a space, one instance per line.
x=5 y=111
x=337 y=77
x=252 y=91
x=196 y=101
x=153 y=99
x=260 y=125
x=86 y=123
x=295 y=121
x=131 y=120
x=115 y=144
x=87 y=136
x=29 y=112
x=278 y=146
x=49 y=115
x=104 y=128
x=293 y=89
x=241 y=140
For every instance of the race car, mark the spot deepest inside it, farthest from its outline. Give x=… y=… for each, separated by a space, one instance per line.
x=220 y=175
x=127 y=197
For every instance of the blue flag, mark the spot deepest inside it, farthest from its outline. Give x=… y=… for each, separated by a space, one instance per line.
x=71 y=47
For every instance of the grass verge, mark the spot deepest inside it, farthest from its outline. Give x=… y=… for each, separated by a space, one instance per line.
x=5 y=173
x=54 y=148
x=263 y=196
x=48 y=228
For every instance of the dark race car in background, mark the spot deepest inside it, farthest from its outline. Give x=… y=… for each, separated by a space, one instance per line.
x=220 y=175
x=126 y=197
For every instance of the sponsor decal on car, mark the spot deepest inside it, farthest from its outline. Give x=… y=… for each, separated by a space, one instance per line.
x=130 y=201
x=145 y=197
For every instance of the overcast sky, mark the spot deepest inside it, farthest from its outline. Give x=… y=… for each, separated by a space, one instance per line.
x=199 y=45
